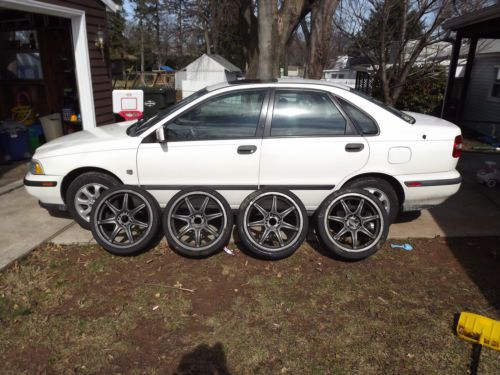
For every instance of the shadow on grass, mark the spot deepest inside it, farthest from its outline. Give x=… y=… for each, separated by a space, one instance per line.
x=204 y=360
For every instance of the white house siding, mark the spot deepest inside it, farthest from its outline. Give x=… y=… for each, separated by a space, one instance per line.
x=482 y=113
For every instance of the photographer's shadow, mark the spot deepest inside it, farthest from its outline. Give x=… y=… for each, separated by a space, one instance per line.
x=204 y=360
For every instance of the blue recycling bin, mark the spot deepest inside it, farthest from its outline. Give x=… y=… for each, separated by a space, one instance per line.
x=14 y=143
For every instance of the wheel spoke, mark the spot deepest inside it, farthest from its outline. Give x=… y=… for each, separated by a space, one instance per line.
x=277 y=233
x=285 y=225
x=274 y=206
x=111 y=220
x=210 y=230
x=337 y=218
x=354 y=236
x=204 y=205
x=360 y=207
x=343 y=231
x=112 y=208
x=128 y=232
x=134 y=211
x=97 y=190
x=185 y=229
x=87 y=210
x=264 y=235
x=181 y=217
x=367 y=232
x=139 y=223
x=197 y=237
x=85 y=191
x=190 y=206
x=261 y=209
x=287 y=211
x=213 y=216
x=125 y=202
x=369 y=218
x=83 y=201
x=258 y=223
x=115 y=232
x=345 y=207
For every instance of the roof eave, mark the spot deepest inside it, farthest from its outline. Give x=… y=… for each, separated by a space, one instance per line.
x=112 y=6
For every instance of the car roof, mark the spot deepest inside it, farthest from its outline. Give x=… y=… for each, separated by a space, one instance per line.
x=277 y=83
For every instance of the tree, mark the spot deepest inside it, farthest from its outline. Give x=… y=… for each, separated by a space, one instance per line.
x=318 y=36
x=116 y=39
x=393 y=34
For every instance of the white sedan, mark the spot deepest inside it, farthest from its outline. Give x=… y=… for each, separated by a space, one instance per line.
x=310 y=138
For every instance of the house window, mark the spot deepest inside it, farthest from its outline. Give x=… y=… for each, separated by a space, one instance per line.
x=495 y=90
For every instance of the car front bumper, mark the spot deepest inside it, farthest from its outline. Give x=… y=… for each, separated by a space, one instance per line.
x=46 y=188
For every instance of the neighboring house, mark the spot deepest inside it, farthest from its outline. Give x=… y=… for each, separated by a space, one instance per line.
x=206 y=70
x=54 y=52
x=473 y=94
x=345 y=70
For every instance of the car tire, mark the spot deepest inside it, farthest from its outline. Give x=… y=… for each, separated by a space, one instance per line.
x=125 y=220
x=272 y=223
x=383 y=190
x=197 y=222
x=342 y=214
x=87 y=188
x=491 y=183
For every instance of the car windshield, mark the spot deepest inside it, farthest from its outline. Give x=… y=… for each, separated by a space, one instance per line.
x=144 y=124
x=393 y=110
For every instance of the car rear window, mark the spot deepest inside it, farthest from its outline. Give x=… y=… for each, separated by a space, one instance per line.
x=363 y=122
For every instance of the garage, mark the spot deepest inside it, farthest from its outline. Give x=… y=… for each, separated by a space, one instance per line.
x=54 y=71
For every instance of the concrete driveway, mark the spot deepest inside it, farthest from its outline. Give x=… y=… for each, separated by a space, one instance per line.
x=473 y=211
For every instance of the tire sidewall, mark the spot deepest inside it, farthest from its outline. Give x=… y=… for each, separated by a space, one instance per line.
x=334 y=248
x=150 y=237
x=213 y=248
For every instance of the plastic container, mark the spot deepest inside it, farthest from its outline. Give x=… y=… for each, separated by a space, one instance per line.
x=35 y=137
x=52 y=126
x=156 y=99
x=14 y=141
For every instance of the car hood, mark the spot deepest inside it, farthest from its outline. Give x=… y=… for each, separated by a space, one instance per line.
x=103 y=138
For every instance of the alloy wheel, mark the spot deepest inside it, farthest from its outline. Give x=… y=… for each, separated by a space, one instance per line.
x=123 y=218
x=353 y=222
x=197 y=220
x=273 y=221
x=381 y=196
x=85 y=198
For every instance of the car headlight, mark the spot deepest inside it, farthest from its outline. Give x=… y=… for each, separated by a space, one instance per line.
x=36 y=167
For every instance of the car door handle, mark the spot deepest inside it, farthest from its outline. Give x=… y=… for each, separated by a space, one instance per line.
x=354 y=147
x=247 y=149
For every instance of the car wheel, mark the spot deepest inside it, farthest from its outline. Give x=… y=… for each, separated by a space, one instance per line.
x=125 y=220
x=491 y=183
x=197 y=222
x=383 y=191
x=83 y=192
x=352 y=223
x=272 y=223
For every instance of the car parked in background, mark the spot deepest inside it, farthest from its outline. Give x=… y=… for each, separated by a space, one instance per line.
x=311 y=138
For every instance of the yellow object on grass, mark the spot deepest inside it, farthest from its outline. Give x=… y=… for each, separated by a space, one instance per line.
x=479 y=330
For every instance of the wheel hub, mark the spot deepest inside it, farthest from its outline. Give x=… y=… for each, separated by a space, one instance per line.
x=353 y=222
x=123 y=219
x=198 y=220
x=273 y=221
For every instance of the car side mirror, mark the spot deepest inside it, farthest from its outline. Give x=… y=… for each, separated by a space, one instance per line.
x=160 y=135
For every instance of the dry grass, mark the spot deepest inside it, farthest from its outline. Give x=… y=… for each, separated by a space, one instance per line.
x=79 y=309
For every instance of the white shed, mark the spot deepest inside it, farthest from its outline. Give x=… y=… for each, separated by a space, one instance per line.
x=206 y=70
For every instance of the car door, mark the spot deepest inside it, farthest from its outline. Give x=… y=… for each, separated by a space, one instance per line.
x=309 y=144
x=215 y=144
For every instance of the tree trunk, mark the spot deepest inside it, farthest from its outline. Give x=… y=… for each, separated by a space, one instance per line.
x=267 y=39
x=320 y=37
x=141 y=30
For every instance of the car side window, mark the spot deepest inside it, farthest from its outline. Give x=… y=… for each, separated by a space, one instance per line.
x=306 y=113
x=364 y=122
x=234 y=115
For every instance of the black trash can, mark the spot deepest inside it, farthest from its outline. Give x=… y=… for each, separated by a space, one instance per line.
x=156 y=99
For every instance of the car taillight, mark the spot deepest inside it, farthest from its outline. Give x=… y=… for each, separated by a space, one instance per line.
x=457 y=147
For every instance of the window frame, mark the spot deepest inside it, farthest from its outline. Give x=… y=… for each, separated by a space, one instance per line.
x=259 y=126
x=360 y=131
x=496 y=82
x=351 y=130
